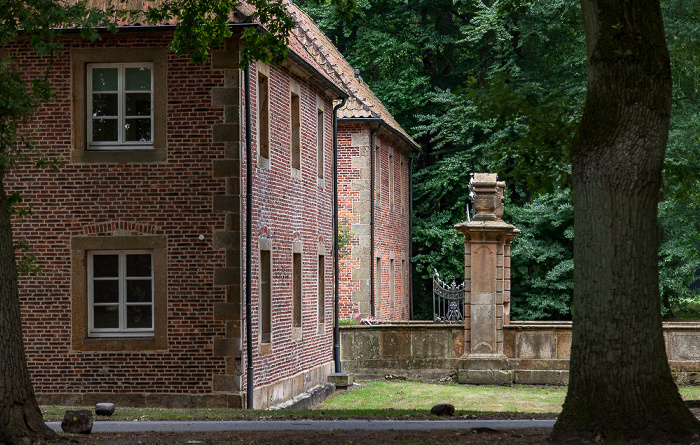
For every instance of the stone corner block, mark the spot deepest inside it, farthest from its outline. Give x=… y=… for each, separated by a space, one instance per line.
x=227 y=347
x=226 y=276
x=226 y=203
x=226 y=168
x=227 y=311
x=226 y=132
x=225 y=96
x=224 y=60
x=226 y=383
x=341 y=379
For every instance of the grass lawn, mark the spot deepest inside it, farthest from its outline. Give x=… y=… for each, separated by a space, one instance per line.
x=382 y=399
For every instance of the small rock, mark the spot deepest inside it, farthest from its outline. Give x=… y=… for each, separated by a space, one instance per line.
x=104 y=409
x=443 y=409
x=77 y=422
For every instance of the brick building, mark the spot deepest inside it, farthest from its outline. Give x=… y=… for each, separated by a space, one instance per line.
x=374 y=158
x=142 y=233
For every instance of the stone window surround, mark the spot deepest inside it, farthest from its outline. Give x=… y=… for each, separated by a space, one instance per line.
x=263 y=70
x=320 y=141
x=80 y=58
x=297 y=248
x=122 y=303
x=265 y=348
x=321 y=252
x=295 y=126
x=80 y=246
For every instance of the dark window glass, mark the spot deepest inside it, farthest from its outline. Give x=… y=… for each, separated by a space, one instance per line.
x=106 y=317
x=139 y=317
x=105 y=266
x=138 y=265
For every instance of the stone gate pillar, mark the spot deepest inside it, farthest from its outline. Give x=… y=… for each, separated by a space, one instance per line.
x=487 y=284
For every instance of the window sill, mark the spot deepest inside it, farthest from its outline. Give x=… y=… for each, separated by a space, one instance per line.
x=265 y=348
x=120 y=344
x=263 y=163
x=120 y=156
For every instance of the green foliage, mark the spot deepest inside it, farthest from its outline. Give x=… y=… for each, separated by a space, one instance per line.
x=204 y=24
x=542 y=264
x=499 y=87
x=345 y=237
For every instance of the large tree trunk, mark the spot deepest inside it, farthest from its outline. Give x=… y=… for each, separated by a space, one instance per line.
x=620 y=384
x=20 y=417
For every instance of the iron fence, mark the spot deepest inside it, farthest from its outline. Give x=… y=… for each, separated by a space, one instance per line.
x=448 y=300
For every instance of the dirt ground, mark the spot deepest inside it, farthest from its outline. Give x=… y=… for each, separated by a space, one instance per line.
x=443 y=437
x=479 y=436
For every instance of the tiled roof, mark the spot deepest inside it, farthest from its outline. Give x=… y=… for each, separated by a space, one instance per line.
x=362 y=102
x=308 y=42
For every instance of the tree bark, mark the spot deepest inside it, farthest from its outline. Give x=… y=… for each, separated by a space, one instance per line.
x=620 y=384
x=20 y=417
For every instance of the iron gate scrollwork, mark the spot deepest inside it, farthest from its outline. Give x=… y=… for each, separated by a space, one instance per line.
x=448 y=300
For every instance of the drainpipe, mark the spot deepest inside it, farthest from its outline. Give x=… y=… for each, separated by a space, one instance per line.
x=248 y=240
x=410 y=231
x=336 y=260
x=371 y=217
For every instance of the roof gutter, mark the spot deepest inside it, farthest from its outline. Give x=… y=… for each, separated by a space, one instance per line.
x=250 y=382
x=336 y=253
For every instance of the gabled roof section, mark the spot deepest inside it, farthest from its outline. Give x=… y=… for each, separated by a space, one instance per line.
x=362 y=103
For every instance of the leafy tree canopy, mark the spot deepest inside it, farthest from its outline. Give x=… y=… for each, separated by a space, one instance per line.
x=499 y=87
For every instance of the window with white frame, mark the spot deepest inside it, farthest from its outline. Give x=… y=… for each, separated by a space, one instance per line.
x=120 y=106
x=120 y=294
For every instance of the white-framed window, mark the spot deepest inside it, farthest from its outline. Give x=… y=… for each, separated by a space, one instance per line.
x=120 y=106
x=120 y=294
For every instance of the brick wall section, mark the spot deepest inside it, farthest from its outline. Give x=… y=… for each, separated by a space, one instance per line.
x=289 y=211
x=170 y=198
x=192 y=192
x=390 y=229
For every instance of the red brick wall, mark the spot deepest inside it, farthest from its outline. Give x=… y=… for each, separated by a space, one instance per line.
x=390 y=227
x=288 y=210
x=174 y=199
x=391 y=233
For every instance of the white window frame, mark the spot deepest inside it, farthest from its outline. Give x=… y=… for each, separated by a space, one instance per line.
x=122 y=330
x=120 y=144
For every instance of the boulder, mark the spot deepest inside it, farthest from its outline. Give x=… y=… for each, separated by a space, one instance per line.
x=77 y=422
x=104 y=409
x=443 y=409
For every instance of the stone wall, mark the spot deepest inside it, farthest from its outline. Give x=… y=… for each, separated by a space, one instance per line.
x=537 y=352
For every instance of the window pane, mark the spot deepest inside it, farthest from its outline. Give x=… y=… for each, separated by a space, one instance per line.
x=105 y=79
x=138 y=265
x=138 y=104
x=104 y=130
x=138 y=78
x=138 y=130
x=139 y=317
x=106 y=317
x=106 y=291
x=105 y=266
x=138 y=291
x=105 y=105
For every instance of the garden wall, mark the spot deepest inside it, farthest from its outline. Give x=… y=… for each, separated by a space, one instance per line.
x=537 y=352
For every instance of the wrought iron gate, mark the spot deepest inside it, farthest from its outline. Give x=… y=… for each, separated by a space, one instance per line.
x=448 y=300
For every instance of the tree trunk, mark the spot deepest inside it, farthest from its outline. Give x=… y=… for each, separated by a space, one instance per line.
x=620 y=384
x=20 y=418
